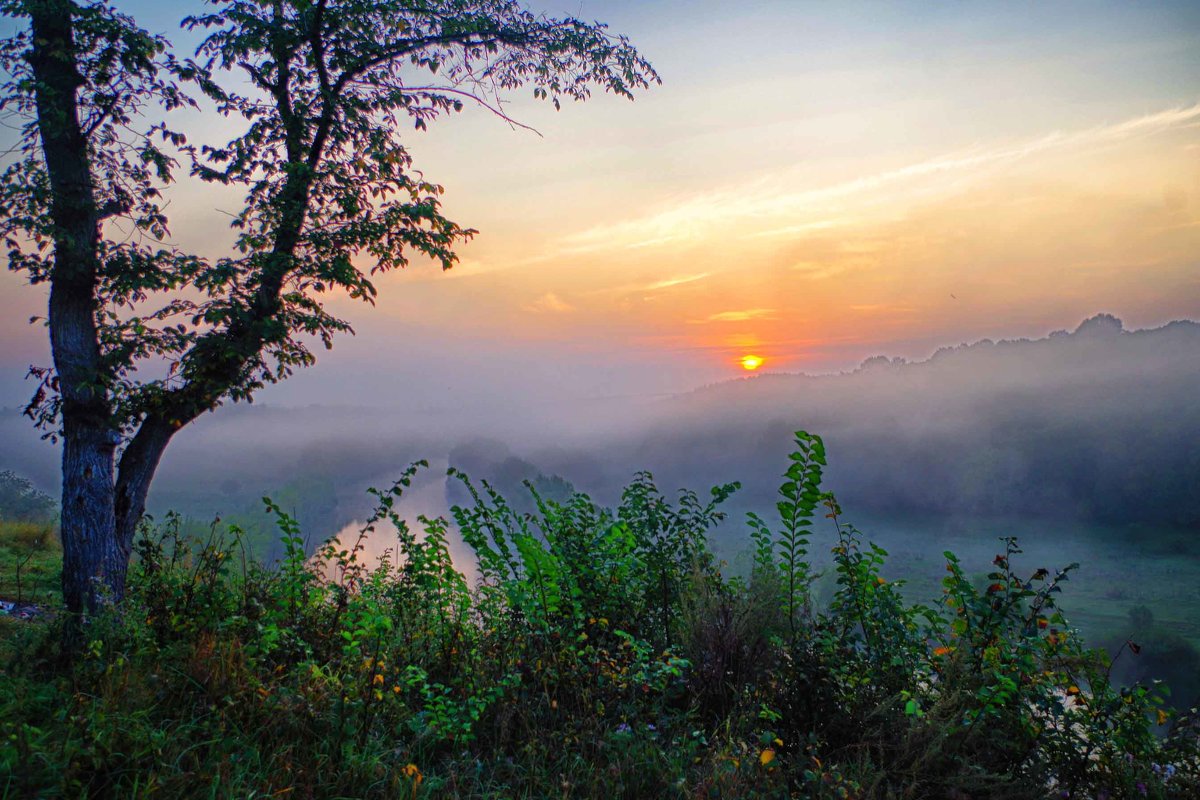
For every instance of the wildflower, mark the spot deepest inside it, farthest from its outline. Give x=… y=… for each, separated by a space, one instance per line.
x=1162 y=717
x=378 y=680
x=623 y=728
x=942 y=651
x=766 y=757
x=1141 y=787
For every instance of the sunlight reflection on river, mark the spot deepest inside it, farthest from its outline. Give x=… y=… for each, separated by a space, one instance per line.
x=425 y=498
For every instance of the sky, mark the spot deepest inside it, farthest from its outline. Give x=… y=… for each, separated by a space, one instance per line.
x=812 y=184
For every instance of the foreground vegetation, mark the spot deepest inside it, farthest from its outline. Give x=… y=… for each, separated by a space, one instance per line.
x=601 y=653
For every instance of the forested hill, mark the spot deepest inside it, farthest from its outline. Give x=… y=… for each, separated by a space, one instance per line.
x=1099 y=423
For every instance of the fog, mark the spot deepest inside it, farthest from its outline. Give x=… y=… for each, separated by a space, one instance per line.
x=1096 y=425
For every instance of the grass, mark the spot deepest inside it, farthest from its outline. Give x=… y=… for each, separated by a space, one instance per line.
x=30 y=562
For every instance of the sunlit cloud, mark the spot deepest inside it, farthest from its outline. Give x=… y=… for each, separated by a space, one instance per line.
x=818 y=271
x=550 y=303
x=767 y=208
x=679 y=280
x=741 y=316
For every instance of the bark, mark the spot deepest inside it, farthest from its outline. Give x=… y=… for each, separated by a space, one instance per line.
x=93 y=567
x=138 y=464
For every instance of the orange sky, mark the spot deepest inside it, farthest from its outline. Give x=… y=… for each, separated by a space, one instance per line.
x=812 y=183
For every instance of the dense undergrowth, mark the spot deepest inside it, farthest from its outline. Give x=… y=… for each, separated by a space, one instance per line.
x=601 y=653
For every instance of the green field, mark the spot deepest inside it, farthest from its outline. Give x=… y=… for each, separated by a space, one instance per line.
x=30 y=562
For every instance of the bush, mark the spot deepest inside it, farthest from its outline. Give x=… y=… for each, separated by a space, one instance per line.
x=601 y=653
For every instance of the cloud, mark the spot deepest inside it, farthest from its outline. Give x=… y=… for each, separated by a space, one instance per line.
x=679 y=280
x=550 y=303
x=741 y=316
x=818 y=271
x=766 y=208
x=871 y=308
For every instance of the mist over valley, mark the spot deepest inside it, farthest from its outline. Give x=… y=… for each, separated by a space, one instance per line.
x=1083 y=443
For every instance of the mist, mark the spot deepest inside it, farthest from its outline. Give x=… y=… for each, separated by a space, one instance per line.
x=1095 y=425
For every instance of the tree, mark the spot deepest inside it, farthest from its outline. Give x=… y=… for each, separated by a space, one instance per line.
x=324 y=89
x=21 y=501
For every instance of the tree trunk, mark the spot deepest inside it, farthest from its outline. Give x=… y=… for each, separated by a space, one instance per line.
x=137 y=467
x=93 y=566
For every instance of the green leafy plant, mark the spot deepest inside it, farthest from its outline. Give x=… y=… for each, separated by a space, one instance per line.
x=565 y=669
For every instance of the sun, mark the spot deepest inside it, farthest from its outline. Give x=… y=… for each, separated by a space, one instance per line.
x=751 y=363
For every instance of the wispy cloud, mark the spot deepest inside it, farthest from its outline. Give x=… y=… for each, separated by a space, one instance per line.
x=820 y=271
x=678 y=280
x=740 y=316
x=873 y=308
x=550 y=303
x=764 y=208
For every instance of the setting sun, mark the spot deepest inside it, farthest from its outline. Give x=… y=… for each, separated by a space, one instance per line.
x=751 y=363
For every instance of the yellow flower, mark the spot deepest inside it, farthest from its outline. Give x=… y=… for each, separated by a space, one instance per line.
x=378 y=681
x=766 y=757
x=413 y=774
